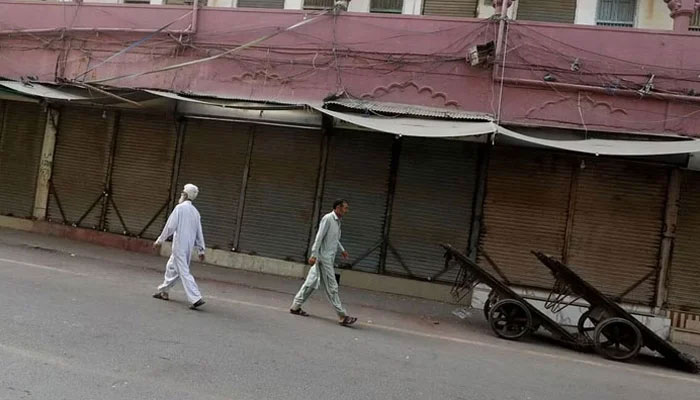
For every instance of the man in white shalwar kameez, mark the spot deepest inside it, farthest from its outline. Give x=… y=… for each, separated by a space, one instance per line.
x=184 y=225
x=322 y=258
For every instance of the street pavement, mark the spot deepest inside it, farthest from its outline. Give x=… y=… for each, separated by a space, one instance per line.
x=77 y=322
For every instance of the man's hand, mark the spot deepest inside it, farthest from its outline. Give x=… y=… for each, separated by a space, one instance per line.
x=345 y=255
x=157 y=245
x=312 y=260
x=202 y=257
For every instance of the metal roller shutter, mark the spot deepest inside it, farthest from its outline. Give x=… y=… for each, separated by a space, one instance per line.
x=21 y=139
x=358 y=170
x=141 y=174
x=432 y=204
x=80 y=163
x=617 y=226
x=563 y=11
x=279 y=4
x=450 y=8
x=684 y=274
x=280 y=193
x=525 y=209
x=213 y=158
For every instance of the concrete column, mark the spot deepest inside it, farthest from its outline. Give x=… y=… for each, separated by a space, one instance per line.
x=41 y=198
x=681 y=12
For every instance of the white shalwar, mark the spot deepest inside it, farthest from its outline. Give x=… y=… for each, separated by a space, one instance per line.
x=185 y=226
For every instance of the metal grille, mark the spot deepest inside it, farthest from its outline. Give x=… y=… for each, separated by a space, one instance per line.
x=280 y=193
x=432 y=205
x=617 y=226
x=695 y=22
x=616 y=12
x=141 y=175
x=562 y=11
x=358 y=170
x=318 y=4
x=21 y=139
x=278 y=4
x=213 y=158
x=525 y=209
x=80 y=167
x=386 y=6
x=450 y=8
x=684 y=274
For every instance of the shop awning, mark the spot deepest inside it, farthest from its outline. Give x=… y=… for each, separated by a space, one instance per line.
x=49 y=92
x=410 y=125
x=609 y=147
x=419 y=127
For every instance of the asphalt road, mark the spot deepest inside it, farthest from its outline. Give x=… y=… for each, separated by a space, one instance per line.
x=84 y=326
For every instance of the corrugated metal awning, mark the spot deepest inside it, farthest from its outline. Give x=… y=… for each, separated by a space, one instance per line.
x=609 y=147
x=39 y=90
x=408 y=109
x=419 y=127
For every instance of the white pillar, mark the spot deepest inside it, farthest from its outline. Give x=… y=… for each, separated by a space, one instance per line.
x=41 y=197
x=586 y=12
x=359 y=6
x=412 y=7
x=293 y=4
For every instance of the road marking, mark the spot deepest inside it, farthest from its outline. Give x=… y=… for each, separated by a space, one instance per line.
x=44 y=267
x=453 y=339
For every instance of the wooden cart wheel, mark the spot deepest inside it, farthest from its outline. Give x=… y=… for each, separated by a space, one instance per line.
x=510 y=319
x=490 y=301
x=586 y=324
x=617 y=339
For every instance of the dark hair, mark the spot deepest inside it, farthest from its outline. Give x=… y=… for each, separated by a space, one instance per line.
x=339 y=202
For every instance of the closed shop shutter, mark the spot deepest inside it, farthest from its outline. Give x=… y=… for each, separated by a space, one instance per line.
x=684 y=274
x=563 y=11
x=279 y=4
x=432 y=204
x=617 y=226
x=450 y=8
x=525 y=209
x=21 y=139
x=142 y=173
x=213 y=158
x=358 y=170
x=80 y=163
x=280 y=193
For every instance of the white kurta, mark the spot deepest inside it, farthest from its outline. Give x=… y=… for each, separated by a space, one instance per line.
x=184 y=225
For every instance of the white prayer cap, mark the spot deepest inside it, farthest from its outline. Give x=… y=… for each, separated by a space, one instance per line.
x=191 y=191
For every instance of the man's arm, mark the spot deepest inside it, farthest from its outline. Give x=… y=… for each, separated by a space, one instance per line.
x=322 y=230
x=169 y=228
x=199 y=241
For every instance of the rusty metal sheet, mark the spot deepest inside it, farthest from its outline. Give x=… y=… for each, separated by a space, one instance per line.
x=142 y=174
x=617 y=226
x=80 y=163
x=280 y=193
x=432 y=204
x=358 y=170
x=21 y=139
x=213 y=158
x=684 y=273
x=525 y=208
